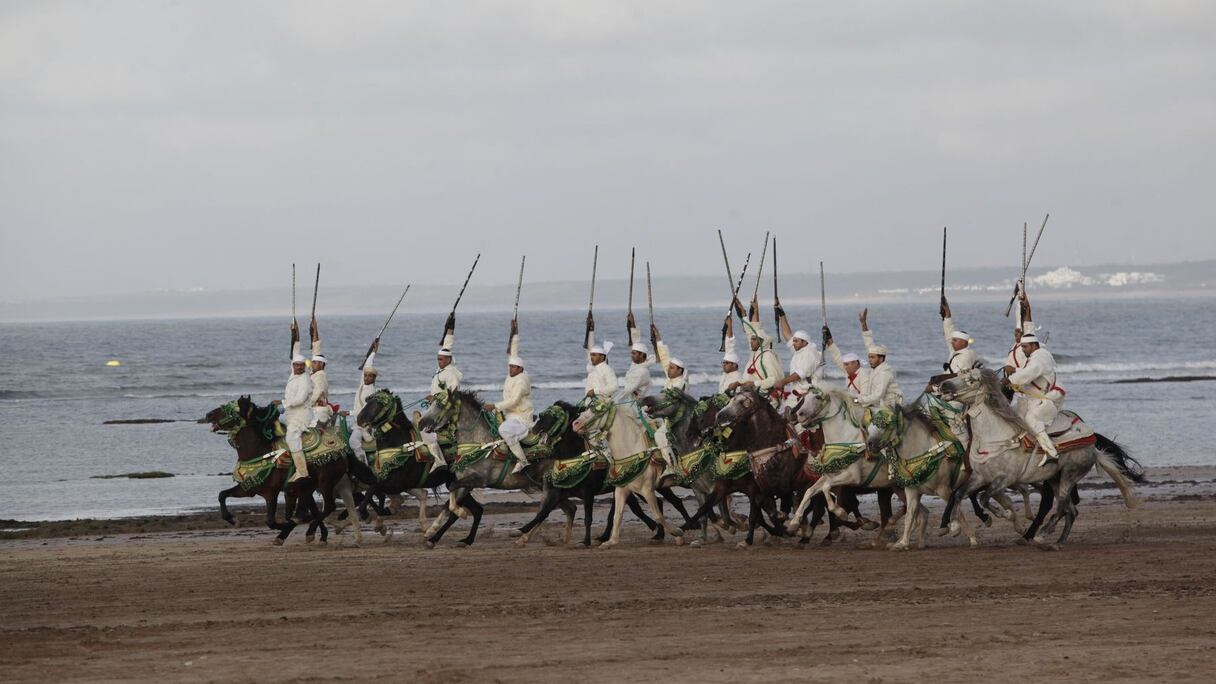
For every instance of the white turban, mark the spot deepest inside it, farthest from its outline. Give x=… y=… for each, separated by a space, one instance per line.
x=318 y=358
x=960 y=335
x=877 y=349
x=801 y=335
x=298 y=358
x=638 y=347
x=369 y=369
x=515 y=361
x=730 y=357
x=445 y=352
x=850 y=358
x=1029 y=338
x=602 y=348
x=673 y=361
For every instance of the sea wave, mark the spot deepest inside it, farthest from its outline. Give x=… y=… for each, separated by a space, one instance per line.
x=1134 y=366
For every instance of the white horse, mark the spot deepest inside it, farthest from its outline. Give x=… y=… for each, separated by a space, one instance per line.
x=999 y=459
x=629 y=450
x=841 y=462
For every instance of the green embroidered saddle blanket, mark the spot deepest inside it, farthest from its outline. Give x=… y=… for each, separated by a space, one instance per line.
x=568 y=473
x=623 y=471
x=731 y=465
x=321 y=445
x=835 y=457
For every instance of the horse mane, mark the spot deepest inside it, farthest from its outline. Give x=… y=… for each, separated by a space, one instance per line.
x=465 y=395
x=844 y=398
x=913 y=414
x=995 y=400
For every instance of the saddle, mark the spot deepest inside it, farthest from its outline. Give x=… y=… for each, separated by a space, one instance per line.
x=1067 y=432
x=321 y=444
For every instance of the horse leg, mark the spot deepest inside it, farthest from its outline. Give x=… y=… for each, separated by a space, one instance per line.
x=618 y=507
x=272 y=505
x=474 y=507
x=979 y=510
x=911 y=508
x=1028 y=510
x=820 y=486
x=588 y=503
x=420 y=494
x=753 y=520
x=675 y=501
x=652 y=501
x=884 y=509
x=546 y=507
x=711 y=500
x=1046 y=499
x=347 y=492
x=224 y=512
x=442 y=521
x=569 y=508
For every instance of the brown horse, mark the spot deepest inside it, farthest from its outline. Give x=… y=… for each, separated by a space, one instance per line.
x=250 y=431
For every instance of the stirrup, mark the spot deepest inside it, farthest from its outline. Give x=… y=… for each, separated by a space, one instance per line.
x=1047 y=458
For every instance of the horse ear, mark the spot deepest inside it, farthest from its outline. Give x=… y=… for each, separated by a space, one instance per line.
x=244 y=404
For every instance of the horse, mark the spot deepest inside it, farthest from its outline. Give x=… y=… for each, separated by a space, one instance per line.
x=480 y=458
x=842 y=472
x=1000 y=459
x=682 y=415
x=396 y=445
x=251 y=432
x=555 y=425
x=630 y=452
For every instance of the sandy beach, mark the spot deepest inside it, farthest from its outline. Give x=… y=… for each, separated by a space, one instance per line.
x=1131 y=597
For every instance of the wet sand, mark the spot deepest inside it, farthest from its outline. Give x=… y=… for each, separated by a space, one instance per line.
x=1131 y=597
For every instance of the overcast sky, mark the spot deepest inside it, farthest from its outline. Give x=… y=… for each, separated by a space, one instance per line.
x=166 y=145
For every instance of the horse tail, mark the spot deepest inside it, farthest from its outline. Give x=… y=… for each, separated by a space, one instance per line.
x=1119 y=465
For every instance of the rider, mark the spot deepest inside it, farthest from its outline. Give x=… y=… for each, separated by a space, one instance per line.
x=297 y=413
x=366 y=388
x=677 y=379
x=1040 y=397
x=516 y=402
x=637 y=379
x=857 y=377
x=806 y=366
x=883 y=396
x=322 y=412
x=730 y=362
x=601 y=380
x=763 y=367
x=962 y=356
x=446 y=377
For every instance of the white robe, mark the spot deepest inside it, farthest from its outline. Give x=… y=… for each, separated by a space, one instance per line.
x=856 y=384
x=297 y=413
x=449 y=375
x=763 y=368
x=962 y=360
x=364 y=390
x=808 y=364
x=728 y=379
x=601 y=379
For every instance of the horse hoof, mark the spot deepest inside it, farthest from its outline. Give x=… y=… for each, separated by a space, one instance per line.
x=943 y=531
x=869 y=525
x=515 y=533
x=694 y=544
x=791 y=529
x=462 y=545
x=679 y=541
x=898 y=547
x=607 y=545
x=277 y=542
x=659 y=541
x=429 y=544
x=1049 y=547
x=988 y=521
x=743 y=545
x=1022 y=541
x=308 y=538
x=521 y=542
x=827 y=541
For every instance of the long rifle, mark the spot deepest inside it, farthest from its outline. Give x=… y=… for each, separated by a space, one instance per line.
x=1020 y=286
x=734 y=305
x=650 y=304
x=316 y=285
x=943 y=263
x=751 y=311
x=823 y=298
x=629 y=311
x=595 y=260
x=515 y=312
x=460 y=296
x=776 y=299
x=295 y=325
x=384 y=327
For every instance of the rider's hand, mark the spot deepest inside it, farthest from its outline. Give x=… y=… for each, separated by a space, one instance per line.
x=376 y=345
x=277 y=402
x=343 y=413
x=945 y=308
x=489 y=407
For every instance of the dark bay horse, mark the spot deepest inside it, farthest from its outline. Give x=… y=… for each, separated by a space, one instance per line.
x=251 y=432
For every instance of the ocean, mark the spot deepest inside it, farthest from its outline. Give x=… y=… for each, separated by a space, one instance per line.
x=57 y=390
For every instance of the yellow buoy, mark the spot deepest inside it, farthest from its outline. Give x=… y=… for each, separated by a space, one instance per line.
x=113 y=362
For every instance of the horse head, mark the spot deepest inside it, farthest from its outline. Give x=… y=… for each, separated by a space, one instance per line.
x=743 y=405
x=442 y=410
x=553 y=423
x=671 y=403
x=381 y=407
x=968 y=386
x=812 y=408
x=595 y=415
x=232 y=416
